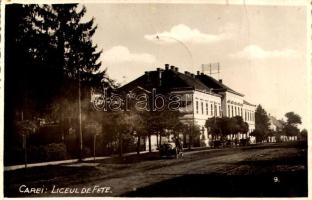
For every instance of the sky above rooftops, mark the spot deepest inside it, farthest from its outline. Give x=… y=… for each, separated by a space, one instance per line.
x=261 y=49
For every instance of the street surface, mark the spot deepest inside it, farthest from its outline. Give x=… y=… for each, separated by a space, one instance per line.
x=276 y=170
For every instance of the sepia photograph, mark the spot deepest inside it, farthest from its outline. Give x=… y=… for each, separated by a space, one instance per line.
x=155 y=98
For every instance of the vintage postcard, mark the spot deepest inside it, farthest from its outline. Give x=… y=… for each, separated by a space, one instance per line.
x=155 y=98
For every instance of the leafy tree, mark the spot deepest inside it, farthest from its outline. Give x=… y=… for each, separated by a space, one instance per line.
x=221 y=127
x=259 y=135
x=20 y=61
x=291 y=130
x=245 y=128
x=65 y=53
x=293 y=119
x=304 y=134
x=76 y=54
x=57 y=62
x=20 y=43
x=240 y=125
x=161 y=123
x=261 y=123
x=214 y=127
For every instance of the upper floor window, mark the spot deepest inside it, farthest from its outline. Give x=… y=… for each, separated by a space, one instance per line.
x=215 y=110
x=197 y=107
x=220 y=112
x=211 y=109
x=202 y=107
x=229 y=113
x=207 y=109
x=232 y=112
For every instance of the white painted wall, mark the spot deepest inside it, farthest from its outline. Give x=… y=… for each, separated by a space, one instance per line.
x=201 y=113
x=249 y=116
x=227 y=101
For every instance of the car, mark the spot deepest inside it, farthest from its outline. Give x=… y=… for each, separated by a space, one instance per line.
x=170 y=150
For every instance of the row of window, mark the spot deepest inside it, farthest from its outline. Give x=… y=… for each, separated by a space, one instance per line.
x=249 y=116
x=234 y=111
x=214 y=109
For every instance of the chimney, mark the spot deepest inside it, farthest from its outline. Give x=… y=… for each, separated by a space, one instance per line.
x=202 y=74
x=159 y=76
x=186 y=72
x=166 y=66
x=193 y=75
x=172 y=67
x=220 y=80
x=147 y=75
x=198 y=72
x=176 y=69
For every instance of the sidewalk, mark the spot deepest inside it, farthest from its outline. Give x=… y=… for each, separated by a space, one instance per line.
x=60 y=162
x=71 y=161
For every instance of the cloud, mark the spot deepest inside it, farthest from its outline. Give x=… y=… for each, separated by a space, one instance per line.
x=121 y=54
x=183 y=33
x=256 y=52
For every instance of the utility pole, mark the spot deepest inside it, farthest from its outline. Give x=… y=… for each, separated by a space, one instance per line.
x=25 y=149
x=94 y=145
x=80 y=121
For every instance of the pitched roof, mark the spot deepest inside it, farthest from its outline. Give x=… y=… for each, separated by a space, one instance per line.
x=170 y=80
x=247 y=103
x=275 y=122
x=216 y=85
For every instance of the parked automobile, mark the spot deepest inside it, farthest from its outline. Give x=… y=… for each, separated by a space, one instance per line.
x=170 y=150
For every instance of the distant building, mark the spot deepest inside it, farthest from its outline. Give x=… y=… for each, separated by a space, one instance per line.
x=277 y=126
x=202 y=96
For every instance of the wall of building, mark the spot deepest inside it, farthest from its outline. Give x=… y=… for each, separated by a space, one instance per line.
x=233 y=104
x=206 y=106
x=249 y=116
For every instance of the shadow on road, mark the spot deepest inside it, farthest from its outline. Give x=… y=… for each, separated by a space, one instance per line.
x=215 y=185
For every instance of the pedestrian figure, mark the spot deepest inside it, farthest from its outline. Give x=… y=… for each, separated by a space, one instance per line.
x=178 y=145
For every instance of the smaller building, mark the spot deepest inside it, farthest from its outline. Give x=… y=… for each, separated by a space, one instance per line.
x=276 y=126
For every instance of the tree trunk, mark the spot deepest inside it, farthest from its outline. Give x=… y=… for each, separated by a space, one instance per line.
x=184 y=140
x=120 y=145
x=160 y=139
x=190 y=142
x=149 y=143
x=138 y=144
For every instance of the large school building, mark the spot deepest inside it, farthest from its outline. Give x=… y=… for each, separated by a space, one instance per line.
x=201 y=97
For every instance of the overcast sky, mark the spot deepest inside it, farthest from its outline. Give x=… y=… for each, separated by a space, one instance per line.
x=261 y=49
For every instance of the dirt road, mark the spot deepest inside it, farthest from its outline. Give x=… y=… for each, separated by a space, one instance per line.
x=271 y=170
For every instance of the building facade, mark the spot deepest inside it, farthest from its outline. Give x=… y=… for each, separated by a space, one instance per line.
x=201 y=96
